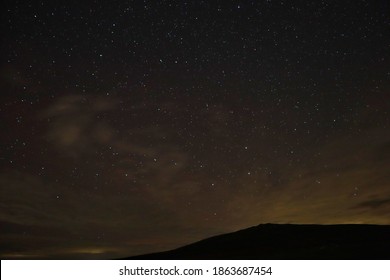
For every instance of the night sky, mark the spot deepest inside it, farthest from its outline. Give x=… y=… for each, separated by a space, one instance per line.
x=131 y=127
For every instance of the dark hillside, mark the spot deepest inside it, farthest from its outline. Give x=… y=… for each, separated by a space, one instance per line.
x=274 y=241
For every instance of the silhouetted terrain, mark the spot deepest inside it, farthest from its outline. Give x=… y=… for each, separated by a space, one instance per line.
x=273 y=241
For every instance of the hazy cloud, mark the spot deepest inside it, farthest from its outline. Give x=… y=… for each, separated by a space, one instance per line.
x=374 y=204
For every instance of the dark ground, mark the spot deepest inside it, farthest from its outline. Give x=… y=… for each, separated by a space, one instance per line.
x=296 y=242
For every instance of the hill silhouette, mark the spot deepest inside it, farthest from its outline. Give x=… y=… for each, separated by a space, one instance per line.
x=289 y=241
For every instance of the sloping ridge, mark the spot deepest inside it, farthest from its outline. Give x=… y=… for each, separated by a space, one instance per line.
x=288 y=241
